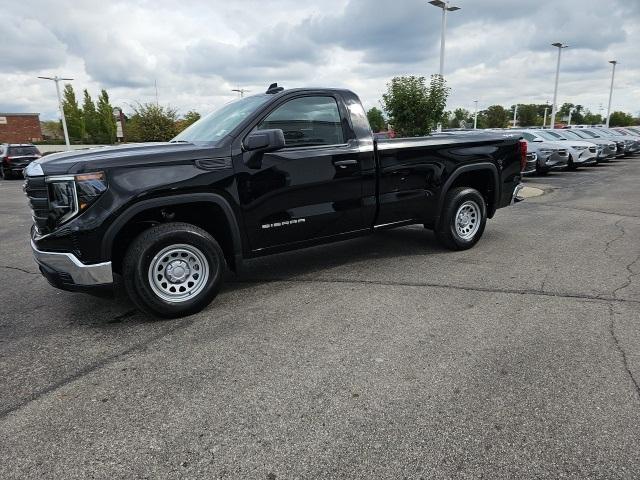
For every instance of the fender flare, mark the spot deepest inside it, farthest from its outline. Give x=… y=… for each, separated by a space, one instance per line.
x=465 y=169
x=141 y=206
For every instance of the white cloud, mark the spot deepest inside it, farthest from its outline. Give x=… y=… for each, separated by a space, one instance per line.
x=498 y=50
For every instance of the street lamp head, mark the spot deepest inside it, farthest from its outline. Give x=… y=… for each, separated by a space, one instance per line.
x=453 y=9
x=438 y=3
x=613 y=62
x=559 y=45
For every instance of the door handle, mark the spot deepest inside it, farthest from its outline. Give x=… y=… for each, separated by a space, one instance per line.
x=345 y=163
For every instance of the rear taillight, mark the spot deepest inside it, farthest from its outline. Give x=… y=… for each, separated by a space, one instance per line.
x=522 y=148
x=5 y=160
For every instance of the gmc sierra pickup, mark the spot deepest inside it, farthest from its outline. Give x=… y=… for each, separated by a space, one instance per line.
x=267 y=173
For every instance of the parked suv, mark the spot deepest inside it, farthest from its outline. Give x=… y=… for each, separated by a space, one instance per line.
x=550 y=155
x=15 y=157
x=581 y=152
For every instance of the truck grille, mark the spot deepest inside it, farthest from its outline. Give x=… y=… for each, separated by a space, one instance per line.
x=38 y=195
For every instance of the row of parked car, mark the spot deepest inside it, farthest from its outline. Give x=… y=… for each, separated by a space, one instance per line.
x=575 y=147
x=548 y=150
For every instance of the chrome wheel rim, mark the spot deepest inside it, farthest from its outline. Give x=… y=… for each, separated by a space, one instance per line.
x=467 y=220
x=178 y=273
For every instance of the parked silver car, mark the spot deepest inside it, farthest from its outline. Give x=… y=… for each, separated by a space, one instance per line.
x=601 y=135
x=551 y=155
x=631 y=141
x=581 y=153
x=605 y=149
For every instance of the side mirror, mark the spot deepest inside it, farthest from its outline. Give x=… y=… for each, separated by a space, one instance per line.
x=264 y=141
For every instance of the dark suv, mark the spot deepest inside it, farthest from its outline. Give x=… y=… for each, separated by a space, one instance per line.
x=15 y=158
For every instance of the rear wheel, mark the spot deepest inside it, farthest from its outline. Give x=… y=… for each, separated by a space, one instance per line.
x=173 y=270
x=463 y=219
x=571 y=164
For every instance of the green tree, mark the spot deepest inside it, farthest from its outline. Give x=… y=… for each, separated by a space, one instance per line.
x=90 y=119
x=413 y=108
x=577 y=117
x=72 y=114
x=151 y=123
x=460 y=118
x=106 y=131
x=621 y=119
x=496 y=116
x=528 y=115
x=592 y=118
x=190 y=118
x=376 y=119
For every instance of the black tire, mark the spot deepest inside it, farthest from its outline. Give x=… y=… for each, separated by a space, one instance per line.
x=571 y=166
x=447 y=232
x=5 y=174
x=146 y=248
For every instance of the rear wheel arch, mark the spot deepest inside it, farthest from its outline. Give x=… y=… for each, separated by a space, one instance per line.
x=209 y=211
x=483 y=177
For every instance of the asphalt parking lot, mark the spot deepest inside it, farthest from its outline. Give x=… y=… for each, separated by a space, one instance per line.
x=380 y=357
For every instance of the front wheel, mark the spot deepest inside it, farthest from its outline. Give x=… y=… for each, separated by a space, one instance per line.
x=173 y=270
x=464 y=217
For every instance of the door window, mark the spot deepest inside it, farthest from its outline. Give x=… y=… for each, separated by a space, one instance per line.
x=307 y=121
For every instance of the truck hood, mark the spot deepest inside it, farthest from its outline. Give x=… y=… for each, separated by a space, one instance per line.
x=92 y=159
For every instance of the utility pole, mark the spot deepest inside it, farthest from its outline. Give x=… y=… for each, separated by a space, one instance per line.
x=613 y=76
x=57 y=80
x=475 y=116
x=554 y=109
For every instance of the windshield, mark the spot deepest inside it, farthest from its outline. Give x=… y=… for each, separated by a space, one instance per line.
x=551 y=135
x=590 y=133
x=579 y=134
x=220 y=122
x=574 y=135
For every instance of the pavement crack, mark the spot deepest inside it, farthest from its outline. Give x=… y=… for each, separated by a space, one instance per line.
x=584 y=209
x=629 y=268
x=571 y=295
x=623 y=354
x=90 y=368
x=8 y=267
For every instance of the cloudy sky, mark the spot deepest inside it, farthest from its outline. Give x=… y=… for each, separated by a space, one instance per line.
x=498 y=51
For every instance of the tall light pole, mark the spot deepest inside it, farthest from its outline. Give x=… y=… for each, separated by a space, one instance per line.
x=515 y=115
x=544 y=122
x=554 y=107
x=446 y=7
x=475 y=116
x=57 y=80
x=613 y=76
x=571 y=110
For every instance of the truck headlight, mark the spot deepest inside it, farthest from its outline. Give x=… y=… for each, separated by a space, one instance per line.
x=70 y=195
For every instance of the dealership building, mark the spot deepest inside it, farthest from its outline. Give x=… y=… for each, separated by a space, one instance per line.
x=20 y=128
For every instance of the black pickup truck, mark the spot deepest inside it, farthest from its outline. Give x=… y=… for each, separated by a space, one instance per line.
x=267 y=173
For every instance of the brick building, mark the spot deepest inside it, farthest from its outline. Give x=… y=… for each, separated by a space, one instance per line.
x=20 y=128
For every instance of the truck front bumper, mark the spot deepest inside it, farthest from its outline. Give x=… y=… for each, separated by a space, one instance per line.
x=64 y=270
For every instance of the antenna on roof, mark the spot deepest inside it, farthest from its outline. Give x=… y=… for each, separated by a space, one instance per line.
x=274 y=88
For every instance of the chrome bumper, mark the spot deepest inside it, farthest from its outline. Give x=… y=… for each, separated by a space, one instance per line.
x=516 y=194
x=81 y=274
